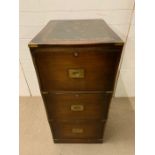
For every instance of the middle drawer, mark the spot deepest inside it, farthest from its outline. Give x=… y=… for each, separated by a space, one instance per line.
x=77 y=106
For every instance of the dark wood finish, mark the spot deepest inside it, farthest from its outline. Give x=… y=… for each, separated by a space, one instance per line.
x=64 y=32
x=76 y=62
x=95 y=106
x=78 y=140
x=100 y=66
x=77 y=130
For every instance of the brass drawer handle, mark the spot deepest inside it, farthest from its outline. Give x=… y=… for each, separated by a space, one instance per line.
x=77 y=107
x=77 y=130
x=76 y=73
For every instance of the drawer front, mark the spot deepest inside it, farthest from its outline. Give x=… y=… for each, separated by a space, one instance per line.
x=77 y=106
x=77 y=69
x=77 y=130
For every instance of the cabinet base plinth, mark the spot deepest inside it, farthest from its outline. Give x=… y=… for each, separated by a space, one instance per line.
x=78 y=140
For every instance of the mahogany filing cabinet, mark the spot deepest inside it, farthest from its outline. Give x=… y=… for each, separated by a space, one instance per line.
x=76 y=62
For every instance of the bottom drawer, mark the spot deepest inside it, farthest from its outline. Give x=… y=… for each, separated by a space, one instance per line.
x=77 y=130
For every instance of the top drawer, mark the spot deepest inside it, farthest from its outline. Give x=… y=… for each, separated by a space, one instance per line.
x=76 y=68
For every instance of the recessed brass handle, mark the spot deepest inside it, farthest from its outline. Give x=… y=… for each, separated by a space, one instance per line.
x=77 y=107
x=77 y=130
x=76 y=73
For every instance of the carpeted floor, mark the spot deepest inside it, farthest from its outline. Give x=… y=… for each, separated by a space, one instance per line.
x=36 y=138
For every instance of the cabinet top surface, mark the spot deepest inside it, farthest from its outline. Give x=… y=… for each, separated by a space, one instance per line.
x=68 y=32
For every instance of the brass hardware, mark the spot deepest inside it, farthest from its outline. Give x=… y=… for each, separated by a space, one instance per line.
x=118 y=44
x=77 y=130
x=76 y=95
x=76 y=73
x=44 y=92
x=33 y=45
x=76 y=54
x=76 y=107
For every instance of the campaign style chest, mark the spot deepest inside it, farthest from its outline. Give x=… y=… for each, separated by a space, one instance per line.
x=76 y=62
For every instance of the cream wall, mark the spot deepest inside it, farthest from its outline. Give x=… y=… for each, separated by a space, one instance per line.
x=126 y=79
x=34 y=14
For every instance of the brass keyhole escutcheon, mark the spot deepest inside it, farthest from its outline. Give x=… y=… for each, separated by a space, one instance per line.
x=75 y=54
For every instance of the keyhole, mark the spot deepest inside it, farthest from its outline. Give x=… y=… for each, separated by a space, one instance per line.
x=76 y=54
x=76 y=95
